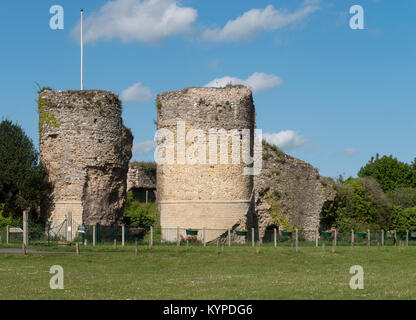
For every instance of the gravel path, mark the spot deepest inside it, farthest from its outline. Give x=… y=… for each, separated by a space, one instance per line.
x=17 y=250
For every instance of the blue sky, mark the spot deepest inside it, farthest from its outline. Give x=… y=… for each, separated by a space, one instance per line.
x=325 y=93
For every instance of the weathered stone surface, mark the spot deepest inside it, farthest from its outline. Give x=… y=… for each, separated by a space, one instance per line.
x=86 y=150
x=141 y=176
x=289 y=193
x=213 y=195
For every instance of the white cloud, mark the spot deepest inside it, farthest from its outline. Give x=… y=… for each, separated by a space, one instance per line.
x=350 y=151
x=136 y=93
x=143 y=147
x=286 y=140
x=147 y=21
x=257 y=82
x=256 y=21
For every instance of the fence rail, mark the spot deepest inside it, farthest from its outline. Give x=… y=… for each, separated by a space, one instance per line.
x=97 y=235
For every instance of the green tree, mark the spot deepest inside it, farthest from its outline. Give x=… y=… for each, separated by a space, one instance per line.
x=360 y=203
x=21 y=175
x=403 y=197
x=389 y=172
x=403 y=219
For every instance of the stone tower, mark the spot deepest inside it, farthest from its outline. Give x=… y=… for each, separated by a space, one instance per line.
x=85 y=149
x=196 y=124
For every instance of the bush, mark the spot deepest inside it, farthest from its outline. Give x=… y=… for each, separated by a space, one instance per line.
x=403 y=197
x=139 y=213
x=403 y=219
x=4 y=221
x=360 y=204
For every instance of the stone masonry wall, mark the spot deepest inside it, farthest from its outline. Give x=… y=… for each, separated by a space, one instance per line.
x=213 y=194
x=289 y=193
x=86 y=150
x=140 y=177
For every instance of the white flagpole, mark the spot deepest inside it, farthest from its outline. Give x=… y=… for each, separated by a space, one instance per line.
x=82 y=56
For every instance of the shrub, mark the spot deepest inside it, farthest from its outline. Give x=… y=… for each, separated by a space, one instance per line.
x=4 y=221
x=403 y=197
x=360 y=203
x=139 y=213
x=403 y=219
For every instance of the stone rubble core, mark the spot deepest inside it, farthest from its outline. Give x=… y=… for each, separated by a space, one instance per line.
x=289 y=192
x=204 y=195
x=85 y=149
x=140 y=178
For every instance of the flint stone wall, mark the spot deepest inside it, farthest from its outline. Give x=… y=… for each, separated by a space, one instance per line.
x=85 y=149
x=211 y=194
x=140 y=178
x=289 y=193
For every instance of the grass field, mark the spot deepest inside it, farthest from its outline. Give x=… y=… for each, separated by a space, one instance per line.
x=164 y=272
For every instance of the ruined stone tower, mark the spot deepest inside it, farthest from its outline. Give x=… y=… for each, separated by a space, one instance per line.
x=86 y=151
x=215 y=194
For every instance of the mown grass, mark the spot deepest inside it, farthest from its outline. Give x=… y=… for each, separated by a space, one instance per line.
x=239 y=272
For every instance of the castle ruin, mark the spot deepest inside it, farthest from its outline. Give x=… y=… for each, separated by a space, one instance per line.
x=197 y=194
x=85 y=149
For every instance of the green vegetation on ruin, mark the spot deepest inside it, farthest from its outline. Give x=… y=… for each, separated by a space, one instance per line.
x=47 y=119
x=145 y=165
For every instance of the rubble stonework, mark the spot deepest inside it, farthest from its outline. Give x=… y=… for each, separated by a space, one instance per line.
x=140 y=177
x=85 y=149
x=212 y=196
x=289 y=193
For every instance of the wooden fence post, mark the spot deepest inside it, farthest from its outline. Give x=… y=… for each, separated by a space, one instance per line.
x=25 y=229
x=368 y=237
x=297 y=240
x=204 y=236
x=94 y=227
x=407 y=238
x=77 y=248
x=275 y=237
x=7 y=234
x=229 y=237
x=136 y=248
x=115 y=243
x=335 y=237
x=69 y=228
x=252 y=237
x=178 y=240
x=123 y=231
x=395 y=237
x=316 y=238
x=382 y=238
x=352 y=238
x=151 y=237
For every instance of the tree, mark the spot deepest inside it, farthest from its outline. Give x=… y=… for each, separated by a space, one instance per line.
x=403 y=219
x=21 y=175
x=403 y=197
x=389 y=172
x=360 y=204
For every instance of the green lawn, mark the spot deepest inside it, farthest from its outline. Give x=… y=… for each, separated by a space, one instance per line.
x=200 y=273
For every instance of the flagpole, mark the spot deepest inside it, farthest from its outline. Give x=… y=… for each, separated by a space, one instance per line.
x=82 y=55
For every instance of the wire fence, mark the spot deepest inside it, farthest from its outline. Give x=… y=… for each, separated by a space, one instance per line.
x=99 y=235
